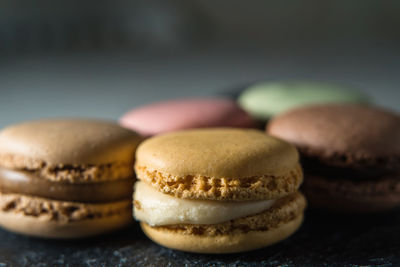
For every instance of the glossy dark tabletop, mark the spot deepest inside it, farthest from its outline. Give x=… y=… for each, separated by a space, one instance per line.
x=323 y=240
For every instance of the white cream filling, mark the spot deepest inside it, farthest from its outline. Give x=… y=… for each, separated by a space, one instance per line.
x=156 y=208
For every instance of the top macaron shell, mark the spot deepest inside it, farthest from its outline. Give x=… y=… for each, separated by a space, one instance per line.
x=359 y=133
x=181 y=114
x=265 y=100
x=69 y=141
x=224 y=152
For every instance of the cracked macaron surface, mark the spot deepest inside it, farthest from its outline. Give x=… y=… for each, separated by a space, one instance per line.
x=218 y=190
x=66 y=178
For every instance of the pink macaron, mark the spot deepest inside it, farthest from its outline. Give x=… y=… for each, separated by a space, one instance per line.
x=173 y=115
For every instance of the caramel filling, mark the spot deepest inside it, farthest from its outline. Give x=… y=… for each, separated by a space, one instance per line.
x=23 y=182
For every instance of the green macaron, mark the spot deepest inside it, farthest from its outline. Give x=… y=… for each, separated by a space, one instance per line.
x=264 y=100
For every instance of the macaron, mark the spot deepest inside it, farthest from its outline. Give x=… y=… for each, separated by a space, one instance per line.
x=219 y=190
x=264 y=100
x=174 y=115
x=350 y=154
x=66 y=178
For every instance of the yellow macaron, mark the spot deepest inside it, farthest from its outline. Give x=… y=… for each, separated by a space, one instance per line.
x=219 y=190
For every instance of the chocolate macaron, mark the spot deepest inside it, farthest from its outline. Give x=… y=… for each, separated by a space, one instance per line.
x=218 y=190
x=66 y=178
x=350 y=154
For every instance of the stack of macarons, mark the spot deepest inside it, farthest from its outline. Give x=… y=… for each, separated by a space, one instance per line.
x=207 y=182
x=66 y=178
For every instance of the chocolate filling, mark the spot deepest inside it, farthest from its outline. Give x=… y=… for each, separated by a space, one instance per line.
x=27 y=183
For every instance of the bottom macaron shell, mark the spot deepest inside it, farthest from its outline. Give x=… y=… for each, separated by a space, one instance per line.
x=238 y=242
x=352 y=196
x=238 y=235
x=32 y=226
x=46 y=218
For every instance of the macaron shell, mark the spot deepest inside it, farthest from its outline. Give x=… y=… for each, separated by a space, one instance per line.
x=47 y=218
x=69 y=141
x=343 y=134
x=218 y=152
x=245 y=233
x=176 y=115
x=264 y=100
x=35 y=227
x=222 y=243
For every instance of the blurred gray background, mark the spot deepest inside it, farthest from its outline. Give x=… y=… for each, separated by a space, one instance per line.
x=102 y=58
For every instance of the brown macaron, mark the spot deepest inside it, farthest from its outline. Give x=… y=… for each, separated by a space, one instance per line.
x=350 y=155
x=66 y=178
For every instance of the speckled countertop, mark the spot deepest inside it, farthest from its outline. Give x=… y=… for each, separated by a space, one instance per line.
x=323 y=240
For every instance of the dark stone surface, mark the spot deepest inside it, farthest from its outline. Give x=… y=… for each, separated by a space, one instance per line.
x=323 y=240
